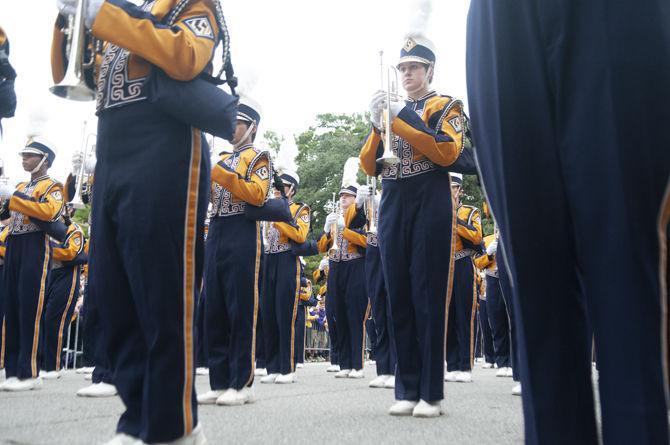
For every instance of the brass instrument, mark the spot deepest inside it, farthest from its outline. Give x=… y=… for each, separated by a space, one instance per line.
x=371 y=205
x=81 y=179
x=388 y=157
x=335 y=208
x=73 y=86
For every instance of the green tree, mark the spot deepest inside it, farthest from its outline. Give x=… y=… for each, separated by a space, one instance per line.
x=474 y=195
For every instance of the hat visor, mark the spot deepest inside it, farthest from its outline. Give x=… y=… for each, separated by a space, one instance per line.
x=347 y=192
x=407 y=59
x=31 y=151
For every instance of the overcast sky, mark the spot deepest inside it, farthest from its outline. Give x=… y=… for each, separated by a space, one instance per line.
x=298 y=58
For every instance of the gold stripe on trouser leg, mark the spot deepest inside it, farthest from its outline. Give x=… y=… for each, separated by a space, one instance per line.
x=472 y=316
x=257 y=269
x=64 y=316
x=295 y=311
x=450 y=278
x=40 y=306
x=365 y=319
x=2 y=347
x=190 y=233
x=663 y=220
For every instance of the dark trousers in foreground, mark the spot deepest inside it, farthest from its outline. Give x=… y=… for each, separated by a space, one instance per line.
x=487 y=348
x=385 y=354
x=351 y=312
x=461 y=324
x=62 y=295
x=579 y=194
x=499 y=320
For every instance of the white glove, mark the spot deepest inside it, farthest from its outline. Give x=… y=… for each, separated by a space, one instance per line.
x=492 y=248
x=69 y=7
x=6 y=191
x=330 y=220
x=89 y=165
x=362 y=195
x=376 y=109
x=77 y=160
x=323 y=264
x=396 y=106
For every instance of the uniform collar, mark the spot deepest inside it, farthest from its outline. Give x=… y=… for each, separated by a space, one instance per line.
x=243 y=147
x=36 y=180
x=428 y=95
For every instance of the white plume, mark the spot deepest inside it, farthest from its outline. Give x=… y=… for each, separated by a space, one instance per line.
x=419 y=16
x=288 y=151
x=38 y=121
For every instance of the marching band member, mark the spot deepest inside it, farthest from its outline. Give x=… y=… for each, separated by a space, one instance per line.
x=62 y=293
x=496 y=310
x=232 y=262
x=415 y=224
x=385 y=355
x=3 y=250
x=7 y=76
x=461 y=312
x=306 y=300
x=150 y=194
x=27 y=263
x=346 y=283
x=281 y=285
x=323 y=273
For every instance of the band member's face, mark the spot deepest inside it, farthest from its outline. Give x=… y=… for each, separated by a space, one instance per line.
x=456 y=192
x=240 y=130
x=346 y=200
x=30 y=161
x=288 y=191
x=413 y=75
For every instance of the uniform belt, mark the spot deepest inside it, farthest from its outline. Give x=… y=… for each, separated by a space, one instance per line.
x=464 y=254
x=281 y=248
x=492 y=273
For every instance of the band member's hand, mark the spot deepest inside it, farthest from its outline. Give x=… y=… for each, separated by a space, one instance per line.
x=89 y=163
x=492 y=248
x=6 y=191
x=362 y=195
x=330 y=220
x=396 y=106
x=376 y=109
x=77 y=160
x=80 y=303
x=69 y=7
x=323 y=263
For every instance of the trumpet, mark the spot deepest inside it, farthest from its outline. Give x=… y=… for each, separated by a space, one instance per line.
x=388 y=157
x=77 y=201
x=335 y=206
x=73 y=86
x=371 y=205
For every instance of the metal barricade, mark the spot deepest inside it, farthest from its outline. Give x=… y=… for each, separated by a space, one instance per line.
x=71 y=349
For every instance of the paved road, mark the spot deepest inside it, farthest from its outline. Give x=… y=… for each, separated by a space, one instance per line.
x=319 y=409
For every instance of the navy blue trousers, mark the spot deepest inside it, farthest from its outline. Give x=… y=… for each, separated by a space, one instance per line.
x=499 y=321
x=371 y=334
x=299 y=343
x=27 y=264
x=461 y=324
x=233 y=257
x=331 y=299
x=415 y=221
x=510 y=302
x=62 y=294
x=351 y=312
x=150 y=201
x=385 y=354
x=281 y=288
x=487 y=348
x=94 y=346
x=578 y=192
x=200 y=341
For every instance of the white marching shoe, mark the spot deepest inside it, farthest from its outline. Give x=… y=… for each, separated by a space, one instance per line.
x=197 y=437
x=50 y=375
x=286 y=378
x=509 y=373
x=85 y=370
x=516 y=391
x=9 y=381
x=502 y=372
x=98 y=390
x=210 y=397
x=202 y=371
x=379 y=382
x=124 y=439
x=487 y=365
x=333 y=368
x=402 y=408
x=427 y=409
x=464 y=377
x=450 y=376
x=342 y=374
x=261 y=372
x=88 y=376
x=300 y=365
x=270 y=378
x=356 y=374
x=22 y=385
x=234 y=397
x=390 y=383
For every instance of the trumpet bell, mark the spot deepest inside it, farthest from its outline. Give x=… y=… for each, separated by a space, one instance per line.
x=389 y=159
x=73 y=90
